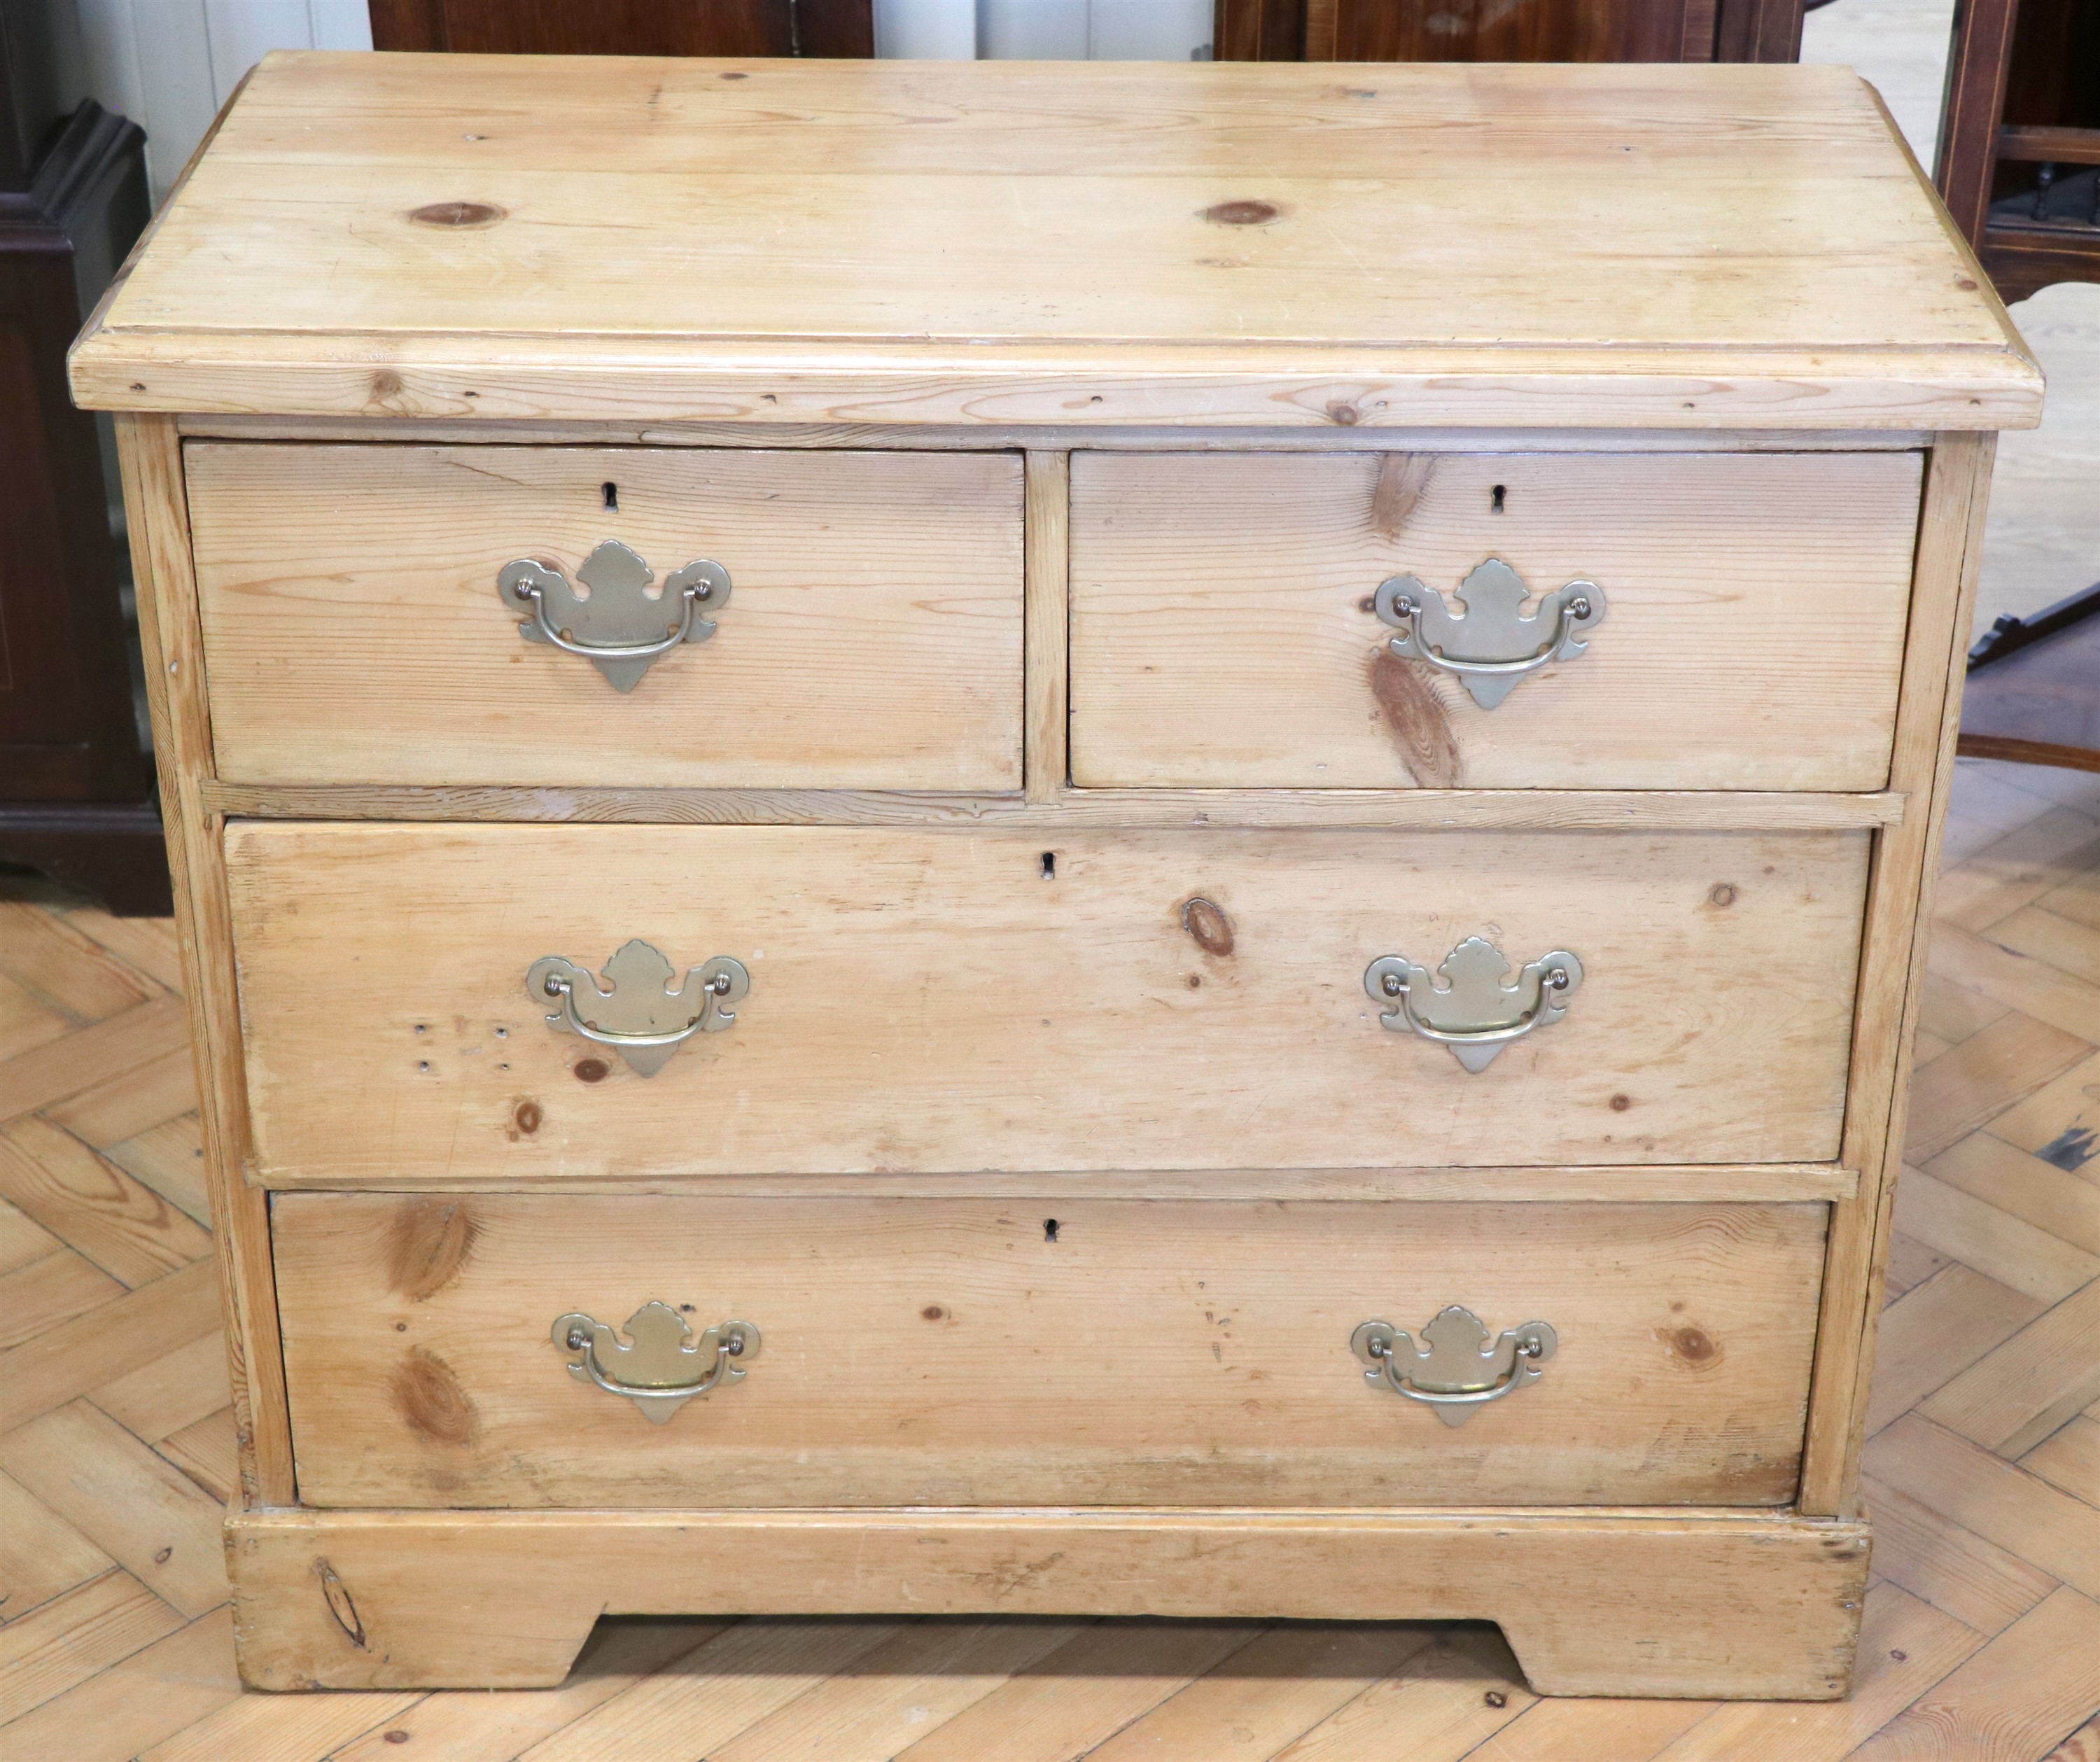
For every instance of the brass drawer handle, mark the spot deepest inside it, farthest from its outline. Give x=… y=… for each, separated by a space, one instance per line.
x=1460 y=1371
x=1474 y=1013
x=641 y=1018
x=1491 y=647
x=619 y=629
x=660 y=1372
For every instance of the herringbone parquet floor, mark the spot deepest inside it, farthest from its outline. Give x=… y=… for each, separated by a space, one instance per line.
x=1983 y=1628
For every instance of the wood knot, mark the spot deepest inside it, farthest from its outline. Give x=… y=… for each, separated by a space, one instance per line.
x=466 y=214
x=429 y=1399
x=1344 y=415
x=1692 y=1345
x=1621 y=1103
x=428 y=1245
x=591 y=1070
x=1722 y=895
x=525 y=1118
x=933 y=1313
x=1241 y=214
x=1207 y=926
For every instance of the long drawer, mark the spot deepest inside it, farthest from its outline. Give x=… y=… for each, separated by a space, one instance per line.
x=1745 y=627
x=361 y=623
x=964 y=1352
x=928 y=1001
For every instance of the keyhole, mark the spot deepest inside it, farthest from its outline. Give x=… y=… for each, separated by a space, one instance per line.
x=1049 y=865
x=1049 y=1229
x=610 y=491
x=1494 y=503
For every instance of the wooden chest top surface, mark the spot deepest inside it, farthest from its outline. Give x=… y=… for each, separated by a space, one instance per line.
x=884 y=241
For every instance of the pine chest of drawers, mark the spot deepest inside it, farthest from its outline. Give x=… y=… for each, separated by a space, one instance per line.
x=1088 y=839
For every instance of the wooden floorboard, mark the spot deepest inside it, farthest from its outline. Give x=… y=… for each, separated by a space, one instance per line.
x=1983 y=1625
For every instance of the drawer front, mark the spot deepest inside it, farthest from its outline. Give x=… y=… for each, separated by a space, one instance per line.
x=1225 y=629
x=355 y=631
x=929 y=1000
x=950 y=1352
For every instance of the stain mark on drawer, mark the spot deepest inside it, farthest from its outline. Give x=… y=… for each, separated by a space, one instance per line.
x=1420 y=724
x=1402 y=477
x=526 y=1119
x=1207 y=925
x=428 y=1245
x=429 y=1398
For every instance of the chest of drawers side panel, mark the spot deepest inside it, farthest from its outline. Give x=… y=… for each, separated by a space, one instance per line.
x=1899 y=927
x=157 y=510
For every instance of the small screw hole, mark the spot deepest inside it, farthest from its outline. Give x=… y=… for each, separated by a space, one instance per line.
x=1495 y=498
x=1049 y=865
x=610 y=491
x=1049 y=1229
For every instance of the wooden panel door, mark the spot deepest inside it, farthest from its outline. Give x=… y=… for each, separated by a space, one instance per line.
x=834 y=27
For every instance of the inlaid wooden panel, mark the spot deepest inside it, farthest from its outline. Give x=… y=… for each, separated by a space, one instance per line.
x=926 y=1000
x=950 y=1353
x=1223 y=632
x=872 y=637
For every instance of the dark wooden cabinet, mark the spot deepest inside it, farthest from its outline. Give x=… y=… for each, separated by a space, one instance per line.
x=76 y=796
x=2019 y=140
x=834 y=28
x=1508 y=30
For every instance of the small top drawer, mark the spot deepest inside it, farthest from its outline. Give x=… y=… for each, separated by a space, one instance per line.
x=1744 y=626
x=867 y=634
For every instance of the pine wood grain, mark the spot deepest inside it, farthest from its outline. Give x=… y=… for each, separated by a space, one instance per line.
x=872 y=639
x=981 y=307
x=1021 y=991
x=125 y=1227
x=1685 y=1588
x=171 y=639
x=1081 y=1695
x=2016 y=1695
x=1687 y=1363
x=1978 y=1583
x=126 y=1500
x=41 y=1554
x=1082 y=1692
x=1222 y=632
x=62 y=1362
x=136 y=1702
x=75 y=1636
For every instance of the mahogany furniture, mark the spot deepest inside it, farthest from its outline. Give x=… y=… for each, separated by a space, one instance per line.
x=973 y=837
x=1508 y=30
x=2019 y=139
x=831 y=28
x=76 y=782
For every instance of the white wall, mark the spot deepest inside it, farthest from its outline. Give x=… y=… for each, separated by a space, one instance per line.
x=169 y=65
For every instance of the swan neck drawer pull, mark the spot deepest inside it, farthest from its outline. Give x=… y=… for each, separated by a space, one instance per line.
x=1491 y=645
x=1474 y=1013
x=1458 y=1367
x=660 y=1366
x=618 y=628
x=640 y=1015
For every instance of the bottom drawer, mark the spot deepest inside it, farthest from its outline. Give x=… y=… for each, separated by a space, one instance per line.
x=964 y=1352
